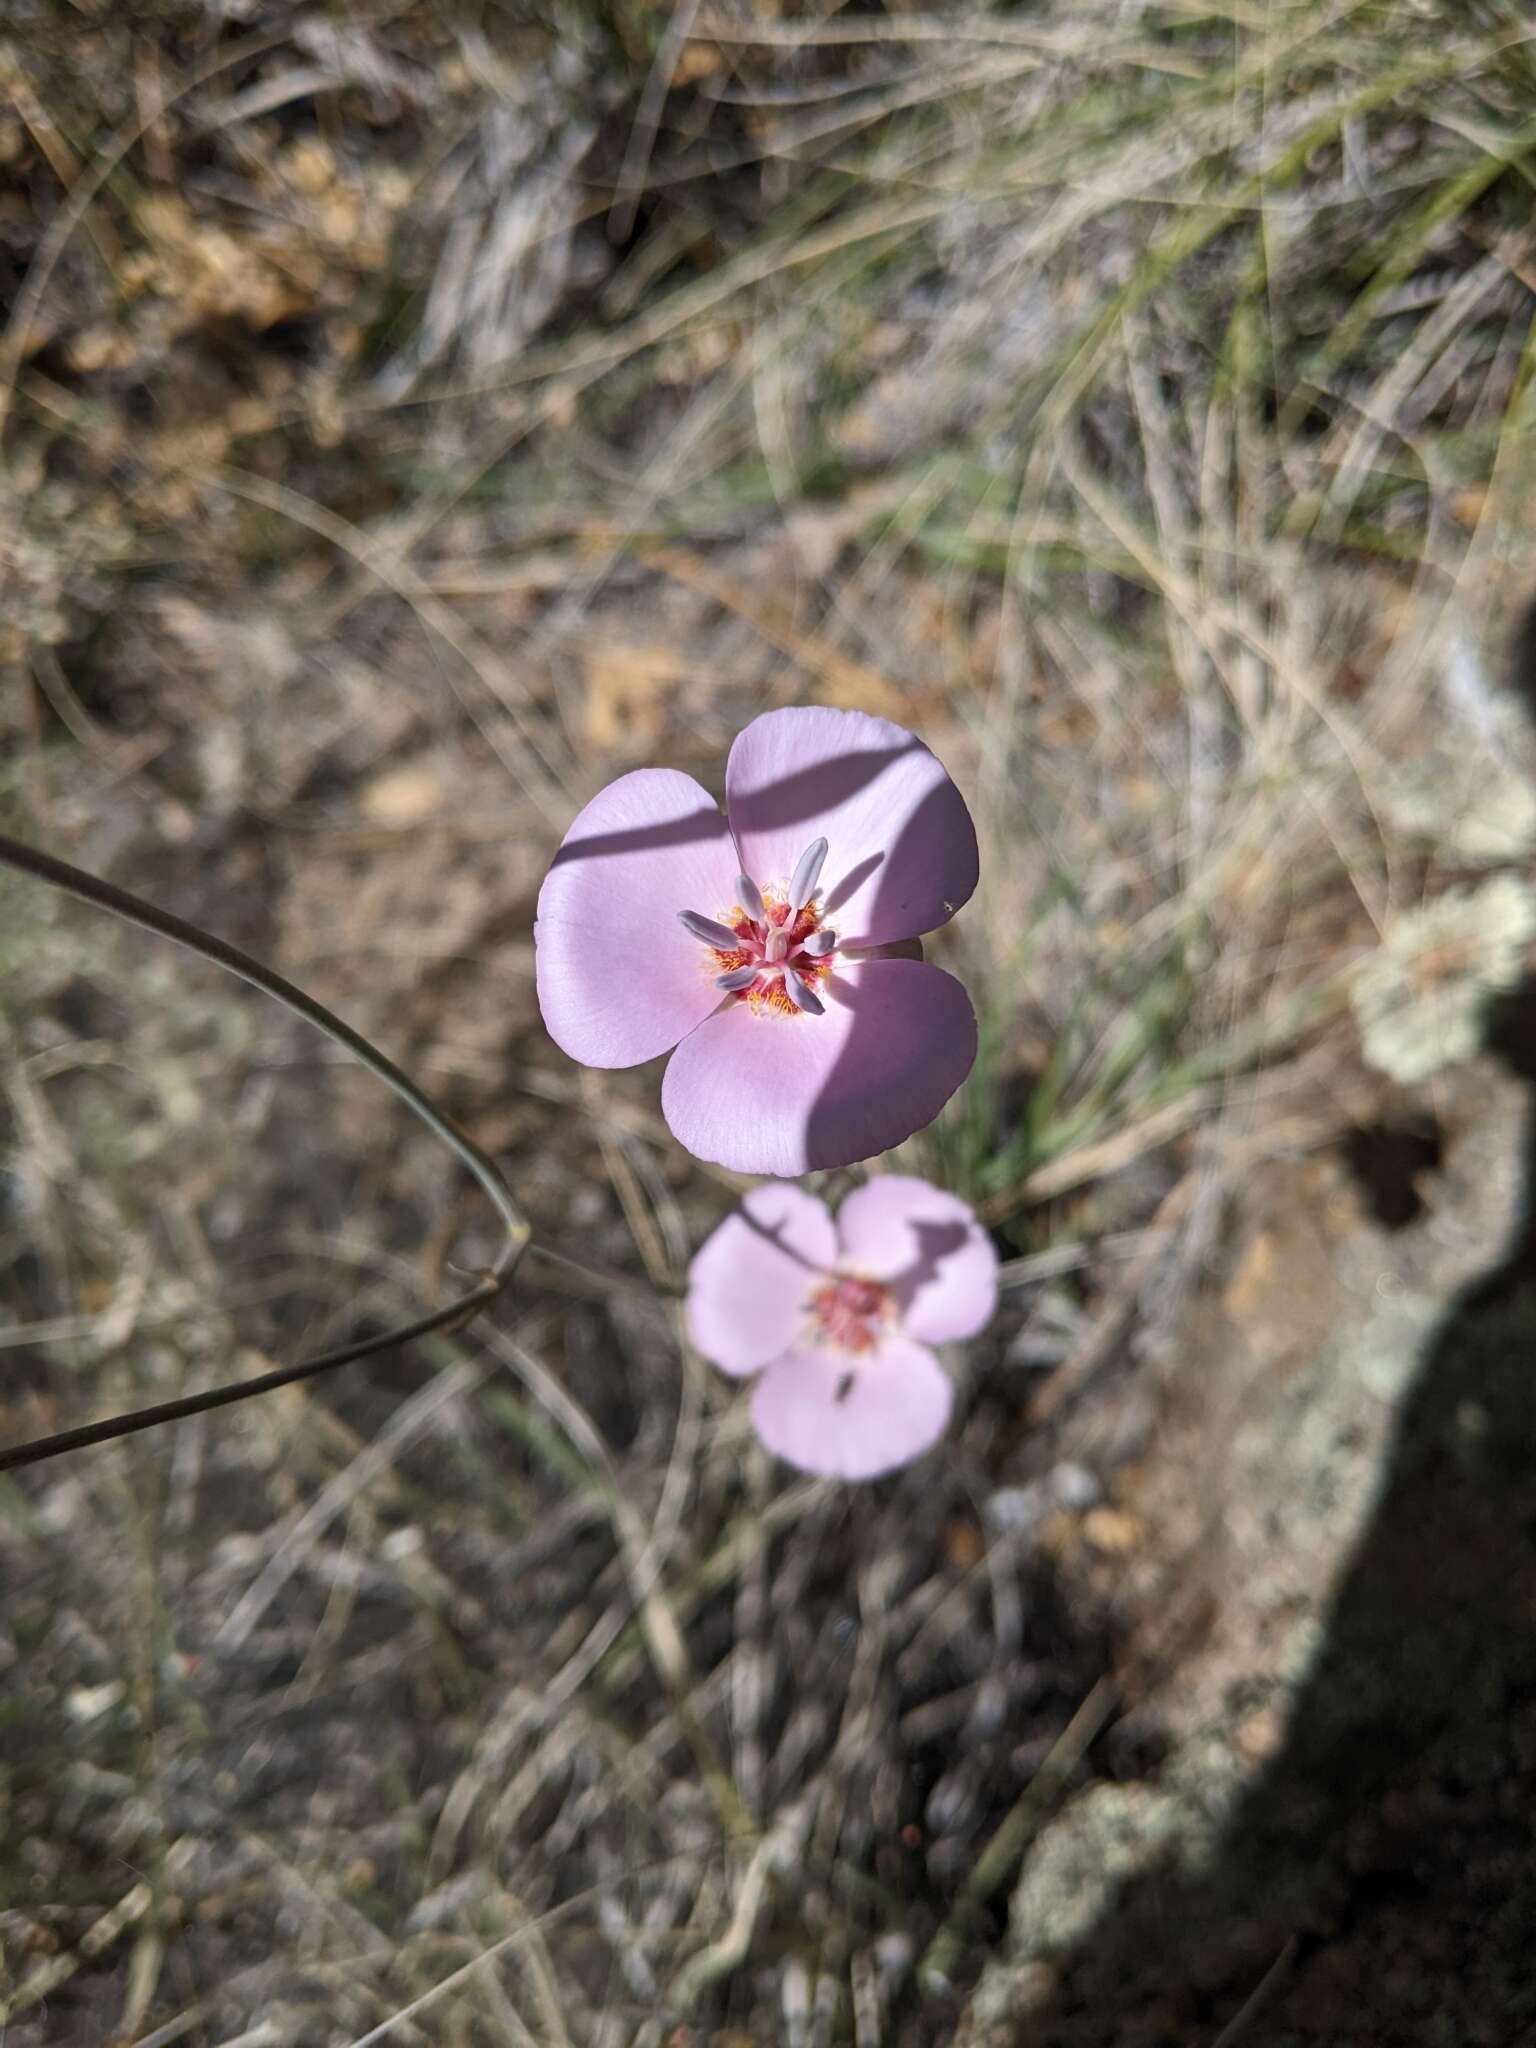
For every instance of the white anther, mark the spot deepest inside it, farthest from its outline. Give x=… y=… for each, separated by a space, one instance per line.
x=807 y=874
x=720 y=936
x=801 y=994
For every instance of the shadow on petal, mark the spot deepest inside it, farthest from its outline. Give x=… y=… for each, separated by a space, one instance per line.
x=805 y=795
x=902 y=849
x=909 y=1040
x=930 y=872
x=936 y=1242
x=787 y=1095
x=748 y=1280
x=853 y=881
x=775 y=1234
x=703 y=828
x=908 y=1043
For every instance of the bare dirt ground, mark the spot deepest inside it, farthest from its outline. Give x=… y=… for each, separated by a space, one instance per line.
x=415 y=416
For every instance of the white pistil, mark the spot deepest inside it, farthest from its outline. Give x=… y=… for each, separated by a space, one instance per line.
x=776 y=947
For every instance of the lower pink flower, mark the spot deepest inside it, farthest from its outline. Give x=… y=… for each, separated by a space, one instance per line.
x=776 y=951
x=837 y=1318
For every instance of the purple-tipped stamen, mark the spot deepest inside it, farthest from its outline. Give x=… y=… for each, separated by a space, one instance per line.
x=720 y=936
x=750 y=897
x=739 y=977
x=802 y=995
x=819 y=944
x=807 y=874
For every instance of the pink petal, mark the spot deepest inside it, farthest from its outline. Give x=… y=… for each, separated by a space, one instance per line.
x=852 y=1415
x=929 y=1246
x=749 y=1280
x=901 y=846
x=768 y=1093
x=619 y=980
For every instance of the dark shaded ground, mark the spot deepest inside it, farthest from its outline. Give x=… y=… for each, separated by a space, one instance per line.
x=1377 y=1882
x=1384 y=1864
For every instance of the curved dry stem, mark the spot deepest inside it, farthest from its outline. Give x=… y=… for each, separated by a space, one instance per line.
x=29 y=860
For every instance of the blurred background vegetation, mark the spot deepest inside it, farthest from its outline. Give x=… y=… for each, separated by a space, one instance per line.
x=415 y=415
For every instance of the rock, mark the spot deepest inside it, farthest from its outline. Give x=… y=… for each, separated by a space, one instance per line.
x=1331 y=1613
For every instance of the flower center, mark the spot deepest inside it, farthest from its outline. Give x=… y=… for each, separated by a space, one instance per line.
x=848 y=1312
x=770 y=951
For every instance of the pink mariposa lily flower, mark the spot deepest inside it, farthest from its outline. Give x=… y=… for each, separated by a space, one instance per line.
x=774 y=951
x=837 y=1317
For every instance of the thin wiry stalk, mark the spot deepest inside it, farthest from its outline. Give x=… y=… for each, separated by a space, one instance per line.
x=30 y=860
